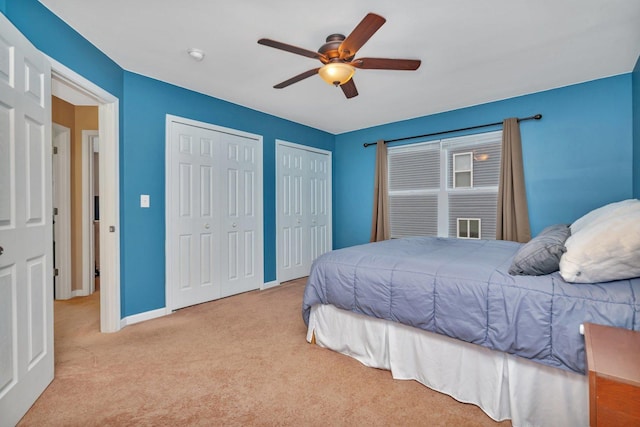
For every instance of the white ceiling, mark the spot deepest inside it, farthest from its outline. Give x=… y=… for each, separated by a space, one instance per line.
x=472 y=51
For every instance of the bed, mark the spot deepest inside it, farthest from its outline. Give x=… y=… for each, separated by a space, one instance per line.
x=493 y=323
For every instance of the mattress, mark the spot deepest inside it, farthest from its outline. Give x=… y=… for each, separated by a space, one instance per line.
x=462 y=289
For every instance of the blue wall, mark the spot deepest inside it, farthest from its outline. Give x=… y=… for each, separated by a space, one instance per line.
x=55 y=38
x=636 y=130
x=576 y=158
x=146 y=104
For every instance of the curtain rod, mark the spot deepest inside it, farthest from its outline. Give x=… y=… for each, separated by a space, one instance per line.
x=536 y=117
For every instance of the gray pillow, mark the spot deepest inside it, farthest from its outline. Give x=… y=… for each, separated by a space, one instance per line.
x=541 y=255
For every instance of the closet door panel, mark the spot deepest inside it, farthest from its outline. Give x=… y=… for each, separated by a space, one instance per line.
x=240 y=221
x=304 y=209
x=291 y=234
x=213 y=212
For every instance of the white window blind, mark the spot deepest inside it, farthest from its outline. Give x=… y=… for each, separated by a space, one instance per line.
x=415 y=167
x=414 y=184
x=423 y=199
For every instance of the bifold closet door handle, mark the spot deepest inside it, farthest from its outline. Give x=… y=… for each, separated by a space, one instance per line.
x=234 y=225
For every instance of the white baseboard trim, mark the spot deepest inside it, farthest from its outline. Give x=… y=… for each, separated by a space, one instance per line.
x=141 y=317
x=79 y=293
x=271 y=284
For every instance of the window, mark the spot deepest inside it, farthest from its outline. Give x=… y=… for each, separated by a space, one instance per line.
x=446 y=188
x=463 y=170
x=468 y=228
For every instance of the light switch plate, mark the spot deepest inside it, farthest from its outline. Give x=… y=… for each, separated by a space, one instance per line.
x=144 y=201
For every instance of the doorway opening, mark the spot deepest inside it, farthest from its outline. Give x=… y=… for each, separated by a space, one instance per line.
x=76 y=90
x=73 y=190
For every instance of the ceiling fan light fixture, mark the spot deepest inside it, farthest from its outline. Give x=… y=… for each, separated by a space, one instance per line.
x=196 y=54
x=336 y=73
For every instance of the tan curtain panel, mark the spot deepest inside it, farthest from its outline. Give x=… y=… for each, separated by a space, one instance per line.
x=380 y=229
x=513 y=214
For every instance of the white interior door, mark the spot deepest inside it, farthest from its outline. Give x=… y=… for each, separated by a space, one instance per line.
x=319 y=214
x=241 y=169
x=62 y=210
x=214 y=212
x=195 y=227
x=291 y=230
x=26 y=231
x=90 y=142
x=303 y=208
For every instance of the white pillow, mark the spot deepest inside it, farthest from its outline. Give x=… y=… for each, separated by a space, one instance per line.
x=600 y=213
x=605 y=250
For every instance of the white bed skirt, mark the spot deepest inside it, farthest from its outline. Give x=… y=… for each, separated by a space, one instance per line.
x=502 y=385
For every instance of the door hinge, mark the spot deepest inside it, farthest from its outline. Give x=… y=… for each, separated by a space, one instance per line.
x=55 y=150
x=55 y=272
x=55 y=211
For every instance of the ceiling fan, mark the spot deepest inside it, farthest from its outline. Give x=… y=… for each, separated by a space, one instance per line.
x=338 y=53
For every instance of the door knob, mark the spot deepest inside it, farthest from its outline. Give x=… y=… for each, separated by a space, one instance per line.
x=1 y=250
x=234 y=225
x=206 y=226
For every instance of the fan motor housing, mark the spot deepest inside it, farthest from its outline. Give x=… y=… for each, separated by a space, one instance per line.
x=330 y=48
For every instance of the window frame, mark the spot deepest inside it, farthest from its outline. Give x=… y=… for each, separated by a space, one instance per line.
x=455 y=172
x=468 y=222
x=446 y=203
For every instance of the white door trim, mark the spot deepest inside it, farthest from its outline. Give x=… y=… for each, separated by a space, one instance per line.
x=62 y=202
x=169 y=240
x=88 y=248
x=283 y=143
x=109 y=134
x=280 y=142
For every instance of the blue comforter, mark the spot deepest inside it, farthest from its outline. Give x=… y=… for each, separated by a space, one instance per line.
x=462 y=289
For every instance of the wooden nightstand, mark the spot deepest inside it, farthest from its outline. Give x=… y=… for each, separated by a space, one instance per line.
x=613 y=361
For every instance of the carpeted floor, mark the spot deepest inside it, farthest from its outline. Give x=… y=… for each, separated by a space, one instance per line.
x=241 y=360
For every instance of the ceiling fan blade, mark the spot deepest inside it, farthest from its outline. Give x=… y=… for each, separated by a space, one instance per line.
x=386 y=64
x=359 y=36
x=297 y=78
x=293 y=49
x=349 y=89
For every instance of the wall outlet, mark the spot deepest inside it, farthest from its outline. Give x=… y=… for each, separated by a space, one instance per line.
x=144 y=201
